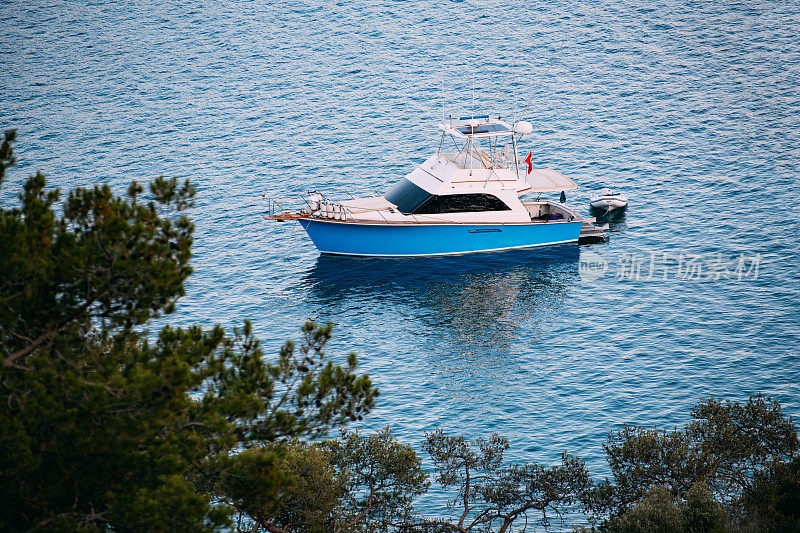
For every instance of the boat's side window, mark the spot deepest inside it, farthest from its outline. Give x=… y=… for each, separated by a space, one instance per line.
x=461 y=203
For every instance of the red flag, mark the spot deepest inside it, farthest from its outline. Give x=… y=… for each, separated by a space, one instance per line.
x=528 y=160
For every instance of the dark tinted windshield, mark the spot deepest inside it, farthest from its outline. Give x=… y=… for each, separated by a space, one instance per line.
x=461 y=203
x=406 y=196
x=415 y=200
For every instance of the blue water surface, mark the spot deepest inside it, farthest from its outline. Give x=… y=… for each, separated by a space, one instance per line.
x=692 y=108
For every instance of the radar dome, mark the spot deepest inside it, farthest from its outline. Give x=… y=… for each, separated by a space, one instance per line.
x=523 y=127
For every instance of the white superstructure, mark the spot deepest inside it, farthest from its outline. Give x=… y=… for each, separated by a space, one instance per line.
x=476 y=167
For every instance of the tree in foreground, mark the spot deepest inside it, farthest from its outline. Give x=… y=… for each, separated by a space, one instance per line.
x=107 y=426
x=733 y=450
x=493 y=496
x=772 y=502
x=735 y=467
x=658 y=511
x=356 y=483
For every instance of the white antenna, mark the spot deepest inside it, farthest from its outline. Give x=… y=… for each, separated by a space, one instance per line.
x=515 y=105
x=540 y=80
x=473 y=96
x=444 y=105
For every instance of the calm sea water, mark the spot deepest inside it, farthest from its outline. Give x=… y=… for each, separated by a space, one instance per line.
x=691 y=108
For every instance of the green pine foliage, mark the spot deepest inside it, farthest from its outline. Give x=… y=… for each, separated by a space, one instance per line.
x=658 y=511
x=491 y=495
x=654 y=512
x=772 y=503
x=7 y=153
x=382 y=475
x=726 y=446
x=357 y=483
x=740 y=454
x=106 y=426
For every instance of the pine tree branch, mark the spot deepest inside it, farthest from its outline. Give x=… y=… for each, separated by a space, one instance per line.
x=41 y=339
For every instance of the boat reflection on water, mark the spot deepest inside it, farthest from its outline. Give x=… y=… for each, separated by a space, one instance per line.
x=477 y=302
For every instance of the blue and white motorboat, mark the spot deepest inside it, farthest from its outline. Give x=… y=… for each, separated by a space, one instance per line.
x=465 y=198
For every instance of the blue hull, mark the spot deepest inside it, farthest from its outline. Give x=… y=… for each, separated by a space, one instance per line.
x=396 y=240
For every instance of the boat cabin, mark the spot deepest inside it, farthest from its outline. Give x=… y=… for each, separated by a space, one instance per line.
x=476 y=176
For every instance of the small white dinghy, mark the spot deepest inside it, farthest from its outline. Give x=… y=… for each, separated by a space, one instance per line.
x=608 y=200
